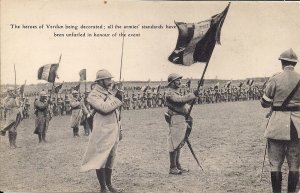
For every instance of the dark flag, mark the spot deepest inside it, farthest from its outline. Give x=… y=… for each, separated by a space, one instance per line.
x=82 y=74
x=188 y=83
x=156 y=89
x=196 y=41
x=227 y=84
x=76 y=87
x=48 y=72
x=57 y=88
x=217 y=86
x=241 y=84
x=250 y=82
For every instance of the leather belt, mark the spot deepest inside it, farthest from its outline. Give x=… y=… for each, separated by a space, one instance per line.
x=294 y=108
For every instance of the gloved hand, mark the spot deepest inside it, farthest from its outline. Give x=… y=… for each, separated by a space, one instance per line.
x=196 y=93
x=189 y=120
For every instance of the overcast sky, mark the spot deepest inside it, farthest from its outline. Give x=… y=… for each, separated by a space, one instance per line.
x=254 y=34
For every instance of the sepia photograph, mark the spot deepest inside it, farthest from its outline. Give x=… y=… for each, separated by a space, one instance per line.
x=119 y=96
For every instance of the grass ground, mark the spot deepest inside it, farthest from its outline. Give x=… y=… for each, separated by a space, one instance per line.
x=227 y=138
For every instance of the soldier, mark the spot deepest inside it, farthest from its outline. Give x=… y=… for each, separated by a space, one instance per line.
x=1 y=109
x=134 y=101
x=86 y=115
x=13 y=117
x=26 y=108
x=67 y=105
x=176 y=116
x=59 y=106
x=282 y=94
x=103 y=142
x=76 y=112
x=43 y=116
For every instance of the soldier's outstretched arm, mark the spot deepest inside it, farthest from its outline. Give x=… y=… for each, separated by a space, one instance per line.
x=103 y=106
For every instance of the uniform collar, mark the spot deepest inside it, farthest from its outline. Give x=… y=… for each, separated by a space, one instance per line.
x=101 y=89
x=290 y=68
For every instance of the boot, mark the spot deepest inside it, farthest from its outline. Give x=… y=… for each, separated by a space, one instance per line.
x=178 y=163
x=108 y=173
x=76 y=131
x=276 y=178
x=101 y=178
x=14 y=140
x=173 y=169
x=293 y=181
x=10 y=139
x=44 y=137
x=40 y=137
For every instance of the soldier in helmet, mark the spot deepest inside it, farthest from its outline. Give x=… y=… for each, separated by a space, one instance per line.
x=13 y=116
x=178 y=120
x=76 y=112
x=43 y=116
x=86 y=115
x=103 y=141
x=282 y=95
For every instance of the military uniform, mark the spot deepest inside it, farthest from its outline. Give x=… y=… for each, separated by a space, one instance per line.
x=43 y=116
x=13 y=116
x=283 y=129
x=176 y=117
x=103 y=141
x=86 y=119
x=76 y=113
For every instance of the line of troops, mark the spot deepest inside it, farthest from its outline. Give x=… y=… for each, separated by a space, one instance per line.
x=150 y=99
x=61 y=105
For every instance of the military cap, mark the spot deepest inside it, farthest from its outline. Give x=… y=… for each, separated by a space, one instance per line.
x=103 y=74
x=288 y=55
x=172 y=77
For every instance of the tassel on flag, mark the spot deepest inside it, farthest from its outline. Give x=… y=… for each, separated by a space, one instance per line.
x=48 y=72
x=82 y=74
x=196 y=41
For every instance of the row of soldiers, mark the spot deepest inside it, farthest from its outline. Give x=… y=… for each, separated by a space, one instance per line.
x=150 y=99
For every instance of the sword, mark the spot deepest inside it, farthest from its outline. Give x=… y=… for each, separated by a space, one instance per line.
x=193 y=153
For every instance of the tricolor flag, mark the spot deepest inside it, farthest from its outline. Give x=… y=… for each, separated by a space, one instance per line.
x=196 y=41
x=57 y=88
x=227 y=84
x=188 y=83
x=250 y=82
x=48 y=72
x=217 y=85
x=82 y=74
x=76 y=87
x=156 y=89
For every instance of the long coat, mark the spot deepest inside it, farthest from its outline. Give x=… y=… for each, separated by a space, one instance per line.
x=278 y=88
x=42 y=116
x=76 y=112
x=106 y=128
x=11 y=105
x=178 y=107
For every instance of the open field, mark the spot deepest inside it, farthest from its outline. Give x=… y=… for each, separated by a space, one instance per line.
x=227 y=138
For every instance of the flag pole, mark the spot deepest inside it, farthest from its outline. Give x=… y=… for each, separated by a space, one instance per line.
x=122 y=58
x=199 y=84
x=15 y=79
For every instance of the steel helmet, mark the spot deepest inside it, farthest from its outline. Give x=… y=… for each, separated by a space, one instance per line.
x=74 y=92
x=172 y=77
x=43 y=94
x=289 y=55
x=103 y=74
